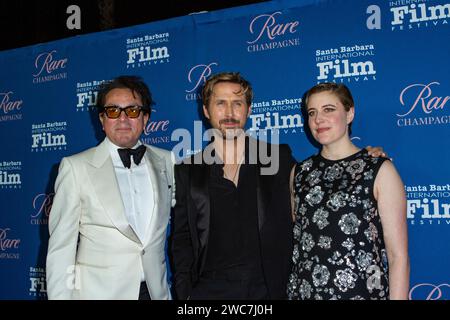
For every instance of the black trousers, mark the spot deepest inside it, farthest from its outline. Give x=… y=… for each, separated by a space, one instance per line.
x=229 y=286
x=143 y=292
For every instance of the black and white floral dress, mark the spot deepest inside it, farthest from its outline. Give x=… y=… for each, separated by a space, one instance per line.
x=339 y=250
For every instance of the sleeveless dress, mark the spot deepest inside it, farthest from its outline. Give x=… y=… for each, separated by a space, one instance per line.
x=339 y=250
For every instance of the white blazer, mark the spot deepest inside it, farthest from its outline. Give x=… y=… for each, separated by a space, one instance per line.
x=93 y=253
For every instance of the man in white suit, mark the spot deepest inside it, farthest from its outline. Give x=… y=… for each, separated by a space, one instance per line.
x=111 y=207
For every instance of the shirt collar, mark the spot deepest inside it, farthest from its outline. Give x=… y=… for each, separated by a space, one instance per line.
x=115 y=155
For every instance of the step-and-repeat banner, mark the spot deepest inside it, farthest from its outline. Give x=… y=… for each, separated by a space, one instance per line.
x=393 y=55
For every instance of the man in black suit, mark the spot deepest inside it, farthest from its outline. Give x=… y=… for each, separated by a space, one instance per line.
x=232 y=223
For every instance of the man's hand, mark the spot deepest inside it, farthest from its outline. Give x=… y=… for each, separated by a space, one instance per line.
x=376 y=152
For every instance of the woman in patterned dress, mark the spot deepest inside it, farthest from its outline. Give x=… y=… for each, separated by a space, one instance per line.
x=349 y=212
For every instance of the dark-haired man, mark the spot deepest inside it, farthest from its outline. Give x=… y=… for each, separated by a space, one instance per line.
x=111 y=207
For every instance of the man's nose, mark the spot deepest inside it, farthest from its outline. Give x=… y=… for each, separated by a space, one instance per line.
x=123 y=116
x=229 y=110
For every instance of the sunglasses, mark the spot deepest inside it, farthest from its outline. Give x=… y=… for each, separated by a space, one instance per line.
x=114 y=112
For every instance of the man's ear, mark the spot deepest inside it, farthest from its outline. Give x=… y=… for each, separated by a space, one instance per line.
x=206 y=112
x=100 y=117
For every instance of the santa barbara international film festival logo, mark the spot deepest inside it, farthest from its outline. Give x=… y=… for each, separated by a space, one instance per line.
x=10 y=172
x=272 y=31
x=423 y=104
x=276 y=116
x=42 y=204
x=348 y=63
x=147 y=50
x=49 y=136
x=49 y=66
x=9 y=245
x=38 y=285
x=87 y=94
x=428 y=204
x=10 y=106
x=418 y=14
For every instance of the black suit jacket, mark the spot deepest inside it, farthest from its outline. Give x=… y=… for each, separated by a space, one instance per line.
x=191 y=215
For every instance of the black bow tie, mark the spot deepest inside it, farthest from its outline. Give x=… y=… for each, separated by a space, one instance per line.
x=125 y=155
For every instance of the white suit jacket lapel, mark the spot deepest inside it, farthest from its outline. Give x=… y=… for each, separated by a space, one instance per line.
x=107 y=191
x=157 y=172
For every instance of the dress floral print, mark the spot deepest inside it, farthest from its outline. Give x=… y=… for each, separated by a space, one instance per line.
x=339 y=251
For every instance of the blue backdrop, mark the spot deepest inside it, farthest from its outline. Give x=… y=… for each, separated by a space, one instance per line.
x=393 y=55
